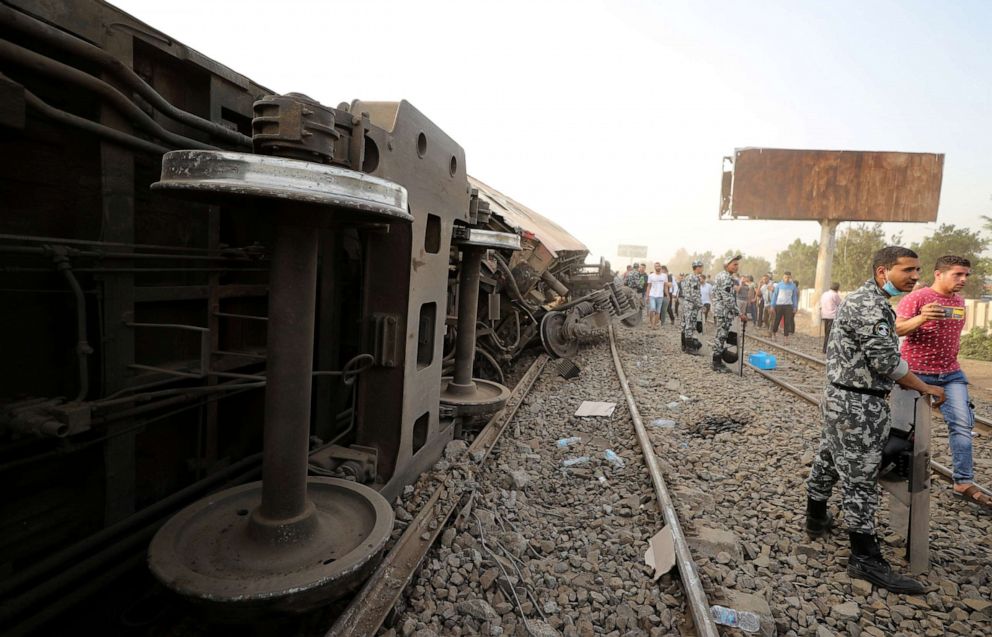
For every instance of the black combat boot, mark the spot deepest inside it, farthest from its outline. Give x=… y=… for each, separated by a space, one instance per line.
x=685 y=349
x=692 y=347
x=866 y=562
x=718 y=365
x=818 y=520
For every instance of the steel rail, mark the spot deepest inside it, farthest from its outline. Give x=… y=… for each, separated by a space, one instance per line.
x=698 y=606
x=794 y=352
x=368 y=609
x=941 y=470
x=984 y=425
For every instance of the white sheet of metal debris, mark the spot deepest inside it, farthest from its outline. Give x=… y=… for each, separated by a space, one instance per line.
x=593 y=408
x=661 y=552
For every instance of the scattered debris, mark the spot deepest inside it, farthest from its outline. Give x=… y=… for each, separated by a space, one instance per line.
x=661 y=552
x=594 y=408
x=566 y=368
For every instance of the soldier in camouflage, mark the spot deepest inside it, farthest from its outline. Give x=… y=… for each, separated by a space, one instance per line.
x=692 y=304
x=863 y=362
x=724 y=310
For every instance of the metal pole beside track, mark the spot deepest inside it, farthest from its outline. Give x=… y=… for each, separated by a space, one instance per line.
x=698 y=606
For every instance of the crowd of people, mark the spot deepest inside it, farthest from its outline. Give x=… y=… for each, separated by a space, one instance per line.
x=870 y=346
x=687 y=299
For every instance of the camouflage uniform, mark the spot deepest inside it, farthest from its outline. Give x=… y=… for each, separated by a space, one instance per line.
x=724 y=309
x=692 y=303
x=633 y=280
x=862 y=355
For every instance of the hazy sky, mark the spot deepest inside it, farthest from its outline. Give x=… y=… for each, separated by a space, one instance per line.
x=612 y=117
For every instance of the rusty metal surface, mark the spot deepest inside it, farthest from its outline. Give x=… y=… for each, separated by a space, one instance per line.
x=407 y=428
x=159 y=416
x=289 y=543
x=553 y=236
x=776 y=183
x=210 y=554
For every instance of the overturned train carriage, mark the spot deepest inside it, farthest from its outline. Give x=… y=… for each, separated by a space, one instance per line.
x=547 y=290
x=320 y=291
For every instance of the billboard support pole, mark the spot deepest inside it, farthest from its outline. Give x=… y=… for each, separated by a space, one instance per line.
x=824 y=264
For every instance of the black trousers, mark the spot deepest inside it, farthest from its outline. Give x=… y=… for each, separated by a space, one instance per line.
x=784 y=313
x=827 y=324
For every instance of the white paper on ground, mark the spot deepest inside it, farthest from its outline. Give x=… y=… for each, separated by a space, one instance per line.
x=661 y=552
x=593 y=408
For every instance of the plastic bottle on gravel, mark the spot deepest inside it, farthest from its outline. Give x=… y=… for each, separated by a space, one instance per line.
x=568 y=462
x=613 y=458
x=564 y=442
x=743 y=619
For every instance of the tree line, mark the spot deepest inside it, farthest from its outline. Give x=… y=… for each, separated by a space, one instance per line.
x=852 y=256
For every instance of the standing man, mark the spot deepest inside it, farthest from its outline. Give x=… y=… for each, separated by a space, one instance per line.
x=638 y=284
x=724 y=310
x=677 y=292
x=931 y=319
x=630 y=279
x=657 y=286
x=743 y=295
x=785 y=297
x=862 y=364
x=766 y=296
x=705 y=293
x=759 y=299
x=669 y=296
x=829 y=303
x=752 y=299
x=692 y=306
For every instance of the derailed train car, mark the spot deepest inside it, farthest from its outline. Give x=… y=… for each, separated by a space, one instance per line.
x=549 y=292
x=201 y=279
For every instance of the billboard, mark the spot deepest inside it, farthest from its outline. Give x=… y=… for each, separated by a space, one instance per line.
x=842 y=185
x=634 y=252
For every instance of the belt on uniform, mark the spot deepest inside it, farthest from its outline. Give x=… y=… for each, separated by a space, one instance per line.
x=881 y=393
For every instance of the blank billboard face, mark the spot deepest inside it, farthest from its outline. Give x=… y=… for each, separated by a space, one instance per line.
x=775 y=183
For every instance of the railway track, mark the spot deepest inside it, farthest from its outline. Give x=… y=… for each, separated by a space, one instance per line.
x=687 y=568
x=982 y=424
x=809 y=391
x=369 y=608
x=450 y=505
x=743 y=451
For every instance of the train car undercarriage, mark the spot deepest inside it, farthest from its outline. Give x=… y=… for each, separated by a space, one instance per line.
x=242 y=352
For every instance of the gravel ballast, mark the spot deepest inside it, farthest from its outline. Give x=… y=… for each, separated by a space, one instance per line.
x=544 y=549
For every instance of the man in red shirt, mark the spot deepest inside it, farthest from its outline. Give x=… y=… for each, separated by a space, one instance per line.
x=931 y=319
